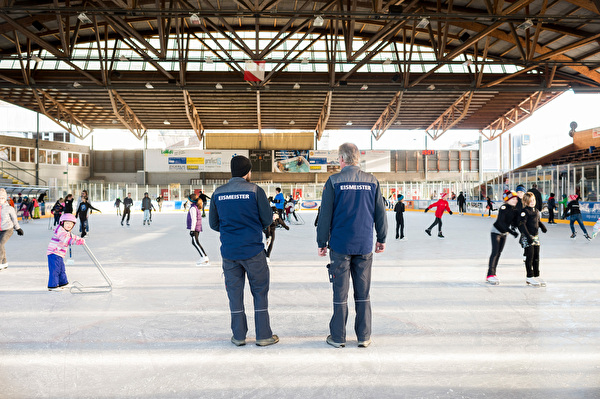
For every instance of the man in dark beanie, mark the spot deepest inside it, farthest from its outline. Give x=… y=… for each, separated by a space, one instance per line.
x=239 y=210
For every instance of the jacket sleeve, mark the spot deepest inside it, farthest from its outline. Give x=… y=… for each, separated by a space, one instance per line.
x=380 y=216
x=523 y=225
x=193 y=216
x=326 y=214
x=264 y=209
x=213 y=216
x=14 y=218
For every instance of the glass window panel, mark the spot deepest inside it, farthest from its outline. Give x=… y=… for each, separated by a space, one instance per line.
x=56 y=158
x=23 y=154
x=5 y=153
x=42 y=156
x=13 y=153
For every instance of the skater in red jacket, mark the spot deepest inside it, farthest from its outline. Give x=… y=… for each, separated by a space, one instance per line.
x=441 y=205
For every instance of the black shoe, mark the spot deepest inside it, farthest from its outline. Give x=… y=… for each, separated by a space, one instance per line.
x=428 y=232
x=121 y=223
x=440 y=235
x=401 y=237
x=397 y=236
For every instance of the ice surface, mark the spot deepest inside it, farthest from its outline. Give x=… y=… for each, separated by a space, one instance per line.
x=438 y=329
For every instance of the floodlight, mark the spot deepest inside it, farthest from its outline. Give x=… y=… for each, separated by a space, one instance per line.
x=296 y=86
x=149 y=86
x=219 y=86
x=364 y=87
x=319 y=21
x=208 y=60
x=431 y=87
x=467 y=63
x=35 y=58
x=225 y=122
x=349 y=123
x=423 y=23
x=195 y=19
x=525 y=25
x=84 y=18
x=166 y=122
x=76 y=84
x=123 y=58
x=304 y=60
x=292 y=122
x=387 y=61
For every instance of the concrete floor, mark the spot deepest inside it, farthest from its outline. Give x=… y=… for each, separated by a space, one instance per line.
x=439 y=331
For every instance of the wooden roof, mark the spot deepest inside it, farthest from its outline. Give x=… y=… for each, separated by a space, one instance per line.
x=433 y=65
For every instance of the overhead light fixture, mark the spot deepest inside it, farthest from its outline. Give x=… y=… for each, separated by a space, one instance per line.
x=387 y=61
x=349 y=123
x=123 y=58
x=195 y=19
x=431 y=87
x=525 y=25
x=166 y=122
x=304 y=60
x=114 y=121
x=208 y=60
x=467 y=63
x=76 y=84
x=292 y=122
x=84 y=18
x=296 y=86
x=319 y=21
x=219 y=86
x=364 y=87
x=35 y=58
x=423 y=23
x=149 y=86
x=225 y=122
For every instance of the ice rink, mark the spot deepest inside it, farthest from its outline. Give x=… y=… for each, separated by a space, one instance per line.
x=439 y=331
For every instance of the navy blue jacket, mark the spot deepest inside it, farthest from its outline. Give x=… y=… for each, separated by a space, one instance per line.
x=351 y=203
x=239 y=210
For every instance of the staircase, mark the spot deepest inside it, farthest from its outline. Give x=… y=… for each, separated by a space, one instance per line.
x=6 y=179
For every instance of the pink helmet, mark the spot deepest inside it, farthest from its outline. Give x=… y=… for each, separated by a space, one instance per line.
x=68 y=217
x=573 y=197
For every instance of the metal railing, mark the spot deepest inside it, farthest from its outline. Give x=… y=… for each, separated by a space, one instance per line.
x=3 y=169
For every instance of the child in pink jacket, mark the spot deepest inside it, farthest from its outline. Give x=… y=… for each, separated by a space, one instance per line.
x=57 y=249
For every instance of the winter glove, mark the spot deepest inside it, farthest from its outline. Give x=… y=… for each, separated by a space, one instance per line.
x=426 y=210
x=536 y=241
x=20 y=232
x=514 y=233
x=80 y=241
x=191 y=233
x=524 y=242
x=450 y=212
x=543 y=228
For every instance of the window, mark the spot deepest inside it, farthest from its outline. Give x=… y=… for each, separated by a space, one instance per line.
x=8 y=153
x=42 y=156
x=85 y=160
x=55 y=158
x=73 y=159
x=27 y=155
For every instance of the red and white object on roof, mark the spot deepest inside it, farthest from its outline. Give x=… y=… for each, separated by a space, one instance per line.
x=254 y=71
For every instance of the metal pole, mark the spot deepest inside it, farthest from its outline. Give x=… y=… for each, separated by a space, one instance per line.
x=37 y=151
x=582 y=183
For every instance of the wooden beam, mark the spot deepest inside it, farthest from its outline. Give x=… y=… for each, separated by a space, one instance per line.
x=193 y=115
x=454 y=114
x=126 y=116
x=324 y=117
x=388 y=116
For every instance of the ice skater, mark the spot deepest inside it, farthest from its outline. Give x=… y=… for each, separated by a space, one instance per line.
x=203 y=197
x=279 y=201
x=57 y=210
x=399 y=209
x=551 y=208
x=118 y=206
x=83 y=210
x=57 y=249
x=462 y=202
x=500 y=229
x=270 y=232
x=239 y=211
x=8 y=223
x=574 y=214
x=127 y=205
x=490 y=206
x=194 y=225
x=441 y=205
x=529 y=227
x=147 y=208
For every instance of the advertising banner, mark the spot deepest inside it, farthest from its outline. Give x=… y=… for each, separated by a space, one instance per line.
x=375 y=161
x=291 y=161
x=191 y=160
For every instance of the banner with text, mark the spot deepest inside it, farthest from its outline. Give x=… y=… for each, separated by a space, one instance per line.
x=191 y=160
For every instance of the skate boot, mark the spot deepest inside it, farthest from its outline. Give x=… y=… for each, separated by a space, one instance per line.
x=493 y=280
x=532 y=282
x=573 y=235
x=428 y=232
x=121 y=223
x=440 y=235
x=269 y=241
x=587 y=237
x=3 y=266
x=144 y=223
x=541 y=281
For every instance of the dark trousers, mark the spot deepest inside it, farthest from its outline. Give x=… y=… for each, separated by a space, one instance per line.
x=341 y=268
x=270 y=232
x=126 y=212
x=462 y=208
x=4 y=236
x=531 y=256
x=257 y=271
x=400 y=224
x=498 y=241
x=550 y=215
x=197 y=245
x=437 y=221
x=57 y=218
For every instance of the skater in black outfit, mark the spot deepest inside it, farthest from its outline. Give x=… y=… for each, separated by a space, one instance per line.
x=57 y=210
x=574 y=214
x=551 y=208
x=462 y=203
x=82 y=213
x=270 y=231
x=69 y=204
x=127 y=205
x=529 y=226
x=500 y=229
x=490 y=206
x=203 y=197
x=118 y=206
x=399 y=209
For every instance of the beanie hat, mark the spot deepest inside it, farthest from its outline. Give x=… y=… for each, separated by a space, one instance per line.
x=240 y=166
x=573 y=197
x=509 y=194
x=521 y=188
x=400 y=197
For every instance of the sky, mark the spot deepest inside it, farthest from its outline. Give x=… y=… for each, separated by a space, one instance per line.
x=548 y=128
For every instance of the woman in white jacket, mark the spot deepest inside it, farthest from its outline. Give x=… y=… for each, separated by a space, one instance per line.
x=8 y=223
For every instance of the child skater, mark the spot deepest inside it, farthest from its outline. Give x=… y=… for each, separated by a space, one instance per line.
x=399 y=209
x=57 y=210
x=529 y=225
x=500 y=229
x=8 y=223
x=83 y=210
x=57 y=249
x=441 y=205
x=194 y=225
x=574 y=215
x=270 y=231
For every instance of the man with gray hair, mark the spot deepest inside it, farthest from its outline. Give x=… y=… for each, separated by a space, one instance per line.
x=351 y=204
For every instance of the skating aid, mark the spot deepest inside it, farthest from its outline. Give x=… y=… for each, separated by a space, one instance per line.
x=78 y=288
